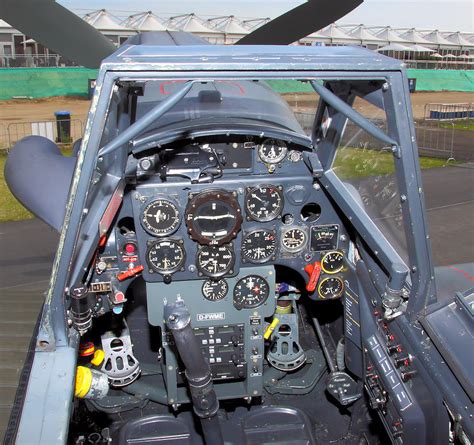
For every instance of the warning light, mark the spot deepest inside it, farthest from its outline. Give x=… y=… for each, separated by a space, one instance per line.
x=130 y=248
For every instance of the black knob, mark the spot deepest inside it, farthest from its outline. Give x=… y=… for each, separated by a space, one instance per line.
x=407 y=375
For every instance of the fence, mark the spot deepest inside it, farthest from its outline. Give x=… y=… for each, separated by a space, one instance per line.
x=434 y=138
x=33 y=61
x=18 y=130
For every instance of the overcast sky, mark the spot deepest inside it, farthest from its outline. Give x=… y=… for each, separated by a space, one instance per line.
x=447 y=15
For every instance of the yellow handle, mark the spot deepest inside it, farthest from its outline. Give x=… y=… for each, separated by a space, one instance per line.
x=271 y=328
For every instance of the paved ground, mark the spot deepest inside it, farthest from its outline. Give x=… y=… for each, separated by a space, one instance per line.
x=29 y=248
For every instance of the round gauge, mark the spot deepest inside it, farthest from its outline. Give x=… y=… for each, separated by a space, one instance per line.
x=251 y=291
x=166 y=256
x=160 y=217
x=294 y=239
x=213 y=217
x=264 y=203
x=259 y=246
x=330 y=288
x=215 y=290
x=272 y=152
x=332 y=262
x=215 y=261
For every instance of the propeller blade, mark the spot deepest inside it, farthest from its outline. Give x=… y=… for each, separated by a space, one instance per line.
x=59 y=29
x=300 y=22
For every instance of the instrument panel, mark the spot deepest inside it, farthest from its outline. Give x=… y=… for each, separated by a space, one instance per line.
x=265 y=209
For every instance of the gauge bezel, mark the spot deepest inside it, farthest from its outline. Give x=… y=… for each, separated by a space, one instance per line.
x=222 y=280
x=292 y=249
x=264 y=260
x=195 y=201
x=182 y=261
x=334 y=297
x=151 y=231
x=228 y=270
x=332 y=252
x=268 y=160
x=254 y=305
x=250 y=213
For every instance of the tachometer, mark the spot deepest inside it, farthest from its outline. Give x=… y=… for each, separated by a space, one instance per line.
x=160 y=217
x=264 y=203
x=215 y=261
x=215 y=290
x=213 y=217
x=166 y=256
x=294 y=239
x=259 y=246
x=330 y=288
x=272 y=152
x=251 y=291
x=332 y=262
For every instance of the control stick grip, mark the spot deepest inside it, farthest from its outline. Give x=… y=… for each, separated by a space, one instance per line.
x=197 y=370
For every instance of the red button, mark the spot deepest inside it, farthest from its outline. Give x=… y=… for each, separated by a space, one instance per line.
x=130 y=248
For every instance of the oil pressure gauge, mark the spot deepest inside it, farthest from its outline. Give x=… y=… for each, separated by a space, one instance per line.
x=330 y=288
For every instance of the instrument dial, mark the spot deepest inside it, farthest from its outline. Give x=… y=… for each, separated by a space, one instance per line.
x=166 y=256
x=259 y=246
x=213 y=217
x=272 y=152
x=251 y=291
x=332 y=262
x=294 y=239
x=215 y=290
x=160 y=217
x=215 y=261
x=264 y=203
x=330 y=288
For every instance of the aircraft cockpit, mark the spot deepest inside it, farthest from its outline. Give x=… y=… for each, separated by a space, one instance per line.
x=231 y=256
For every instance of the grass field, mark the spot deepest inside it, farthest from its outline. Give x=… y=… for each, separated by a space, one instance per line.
x=350 y=163
x=467 y=124
x=355 y=163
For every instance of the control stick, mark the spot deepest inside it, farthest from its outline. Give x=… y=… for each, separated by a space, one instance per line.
x=197 y=371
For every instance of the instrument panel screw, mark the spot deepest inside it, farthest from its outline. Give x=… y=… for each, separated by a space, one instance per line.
x=316 y=186
x=385 y=86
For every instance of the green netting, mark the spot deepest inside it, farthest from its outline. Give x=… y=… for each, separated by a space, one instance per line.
x=44 y=82
x=443 y=80
x=47 y=82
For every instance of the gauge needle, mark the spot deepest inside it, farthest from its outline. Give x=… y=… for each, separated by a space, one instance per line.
x=256 y=197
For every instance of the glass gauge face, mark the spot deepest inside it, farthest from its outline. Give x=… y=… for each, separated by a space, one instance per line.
x=272 y=152
x=215 y=290
x=251 y=291
x=294 y=240
x=166 y=256
x=215 y=261
x=259 y=246
x=332 y=262
x=213 y=217
x=330 y=288
x=160 y=217
x=264 y=203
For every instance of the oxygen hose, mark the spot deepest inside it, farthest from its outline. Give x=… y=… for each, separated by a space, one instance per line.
x=197 y=371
